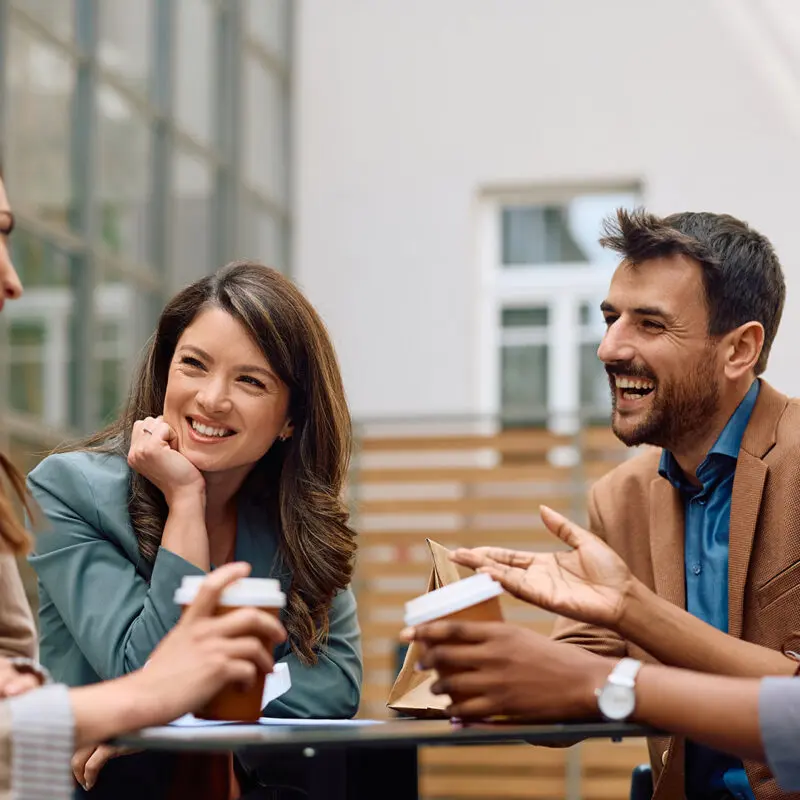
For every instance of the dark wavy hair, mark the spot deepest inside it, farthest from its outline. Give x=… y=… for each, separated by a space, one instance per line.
x=302 y=478
x=742 y=276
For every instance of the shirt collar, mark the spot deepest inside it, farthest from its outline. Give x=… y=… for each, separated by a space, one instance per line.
x=727 y=444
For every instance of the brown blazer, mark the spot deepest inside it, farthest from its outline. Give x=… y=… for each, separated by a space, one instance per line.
x=17 y=629
x=640 y=515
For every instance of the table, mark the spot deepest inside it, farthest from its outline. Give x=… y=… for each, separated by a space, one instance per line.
x=367 y=761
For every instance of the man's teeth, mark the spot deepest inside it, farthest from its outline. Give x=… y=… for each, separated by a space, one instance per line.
x=206 y=430
x=631 y=383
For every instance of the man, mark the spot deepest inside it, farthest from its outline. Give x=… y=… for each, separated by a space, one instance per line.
x=710 y=521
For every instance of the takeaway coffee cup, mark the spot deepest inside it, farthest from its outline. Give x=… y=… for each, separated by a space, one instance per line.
x=473 y=599
x=476 y=599
x=234 y=703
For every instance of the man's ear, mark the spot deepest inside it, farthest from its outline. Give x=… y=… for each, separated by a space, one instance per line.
x=744 y=345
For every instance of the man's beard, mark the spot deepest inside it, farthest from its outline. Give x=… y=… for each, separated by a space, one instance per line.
x=681 y=410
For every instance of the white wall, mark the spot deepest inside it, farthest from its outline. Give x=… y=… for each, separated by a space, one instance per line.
x=406 y=110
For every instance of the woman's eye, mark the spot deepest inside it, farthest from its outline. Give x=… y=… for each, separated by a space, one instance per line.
x=250 y=380
x=192 y=362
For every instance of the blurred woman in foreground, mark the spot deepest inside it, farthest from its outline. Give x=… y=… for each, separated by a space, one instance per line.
x=42 y=726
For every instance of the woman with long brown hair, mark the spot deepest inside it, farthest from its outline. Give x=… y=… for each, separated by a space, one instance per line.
x=234 y=444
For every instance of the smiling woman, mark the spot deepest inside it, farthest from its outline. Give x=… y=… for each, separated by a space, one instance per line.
x=234 y=446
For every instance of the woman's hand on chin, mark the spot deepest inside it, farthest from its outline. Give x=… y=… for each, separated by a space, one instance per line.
x=153 y=455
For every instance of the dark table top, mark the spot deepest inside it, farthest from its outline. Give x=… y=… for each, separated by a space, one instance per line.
x=394 y=733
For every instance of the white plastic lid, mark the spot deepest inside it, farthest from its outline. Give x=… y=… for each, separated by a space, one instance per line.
x=449 y=599
x=263 y=592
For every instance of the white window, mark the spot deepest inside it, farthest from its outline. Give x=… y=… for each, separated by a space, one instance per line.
x=544 y=276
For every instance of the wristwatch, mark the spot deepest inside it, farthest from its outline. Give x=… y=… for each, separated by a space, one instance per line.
x=617 y=699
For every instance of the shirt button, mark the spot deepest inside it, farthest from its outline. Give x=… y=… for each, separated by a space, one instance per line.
x=697 y=568
x=664 y=757
x=702 y=501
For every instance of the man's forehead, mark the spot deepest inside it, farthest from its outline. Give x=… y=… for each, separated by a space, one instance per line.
x=4 y=204
x=672 y=283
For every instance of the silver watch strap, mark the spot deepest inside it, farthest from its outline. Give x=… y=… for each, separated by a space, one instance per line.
x=624 y=674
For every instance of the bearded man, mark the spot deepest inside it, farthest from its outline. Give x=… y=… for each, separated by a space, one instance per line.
x=711 y=520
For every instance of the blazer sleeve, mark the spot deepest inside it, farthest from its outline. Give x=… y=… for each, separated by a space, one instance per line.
x=591 y=637
x=17 y=629
x=115 y=616
x=331 y=688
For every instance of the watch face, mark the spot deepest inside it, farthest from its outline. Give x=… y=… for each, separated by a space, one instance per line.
x=616 y=702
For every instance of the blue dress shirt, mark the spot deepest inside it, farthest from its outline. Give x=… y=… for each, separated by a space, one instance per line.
x=706 y=528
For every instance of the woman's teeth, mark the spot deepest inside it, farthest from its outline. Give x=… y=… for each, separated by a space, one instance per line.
x=207 y=430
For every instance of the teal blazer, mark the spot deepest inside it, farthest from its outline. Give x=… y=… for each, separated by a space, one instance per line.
x=103 y=608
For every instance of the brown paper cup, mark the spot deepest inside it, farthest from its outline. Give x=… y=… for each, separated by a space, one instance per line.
x=474 y=599
x=233 y=702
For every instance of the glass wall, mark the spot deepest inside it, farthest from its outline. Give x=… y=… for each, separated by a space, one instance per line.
x=144 y=143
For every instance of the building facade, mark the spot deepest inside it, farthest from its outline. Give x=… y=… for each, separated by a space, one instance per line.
x=453 y=160
x=144 y=144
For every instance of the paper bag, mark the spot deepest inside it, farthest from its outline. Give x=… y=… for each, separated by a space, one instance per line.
x=411 y=693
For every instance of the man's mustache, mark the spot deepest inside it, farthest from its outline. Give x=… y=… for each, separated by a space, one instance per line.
x=629 y=369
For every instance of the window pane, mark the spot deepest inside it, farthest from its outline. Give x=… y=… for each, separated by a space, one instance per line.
x=36 y=163
x=123 y=175
x=191 y=220
x=535 y=317
x=57 y=15
x=590 y=315
x=261 y=236
x=559 y=233
x=125 y=34
x=268 y=22
x=196 y=66
x=264 y=129
x=595 y=395
x=524 y=384
x=40 y=353
x=26 y=346
x=125 y=318
x=538 y=236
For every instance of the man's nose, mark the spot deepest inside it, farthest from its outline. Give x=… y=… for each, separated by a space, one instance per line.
x=616 y=345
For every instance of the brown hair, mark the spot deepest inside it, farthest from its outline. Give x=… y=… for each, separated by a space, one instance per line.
x=13 y=535
x=742 y=277
x=301 y=478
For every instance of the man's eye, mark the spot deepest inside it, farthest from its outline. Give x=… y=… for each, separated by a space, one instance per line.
x=609 y=320
x=652 y=325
